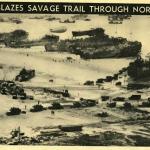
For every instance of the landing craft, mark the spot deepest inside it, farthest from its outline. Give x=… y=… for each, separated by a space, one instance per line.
x=59 y=30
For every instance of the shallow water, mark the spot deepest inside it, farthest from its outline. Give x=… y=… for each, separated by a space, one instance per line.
x=137 y=28
x=63 y=71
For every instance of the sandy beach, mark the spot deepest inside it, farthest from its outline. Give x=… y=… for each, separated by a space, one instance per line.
x=55 y=72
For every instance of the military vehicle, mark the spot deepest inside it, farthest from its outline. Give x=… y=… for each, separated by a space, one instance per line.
x=25 y=75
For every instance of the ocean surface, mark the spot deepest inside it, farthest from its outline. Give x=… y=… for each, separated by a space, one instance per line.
x=136 y=28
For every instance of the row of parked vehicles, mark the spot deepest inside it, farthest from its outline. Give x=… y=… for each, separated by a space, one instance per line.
x=135 y=97
x=108 y=78
x=54 y=106
x=119 y=98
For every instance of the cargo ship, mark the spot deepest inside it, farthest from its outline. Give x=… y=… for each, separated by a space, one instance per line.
x=95 y=44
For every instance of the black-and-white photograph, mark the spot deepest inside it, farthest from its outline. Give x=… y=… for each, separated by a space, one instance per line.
x=74 y=80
